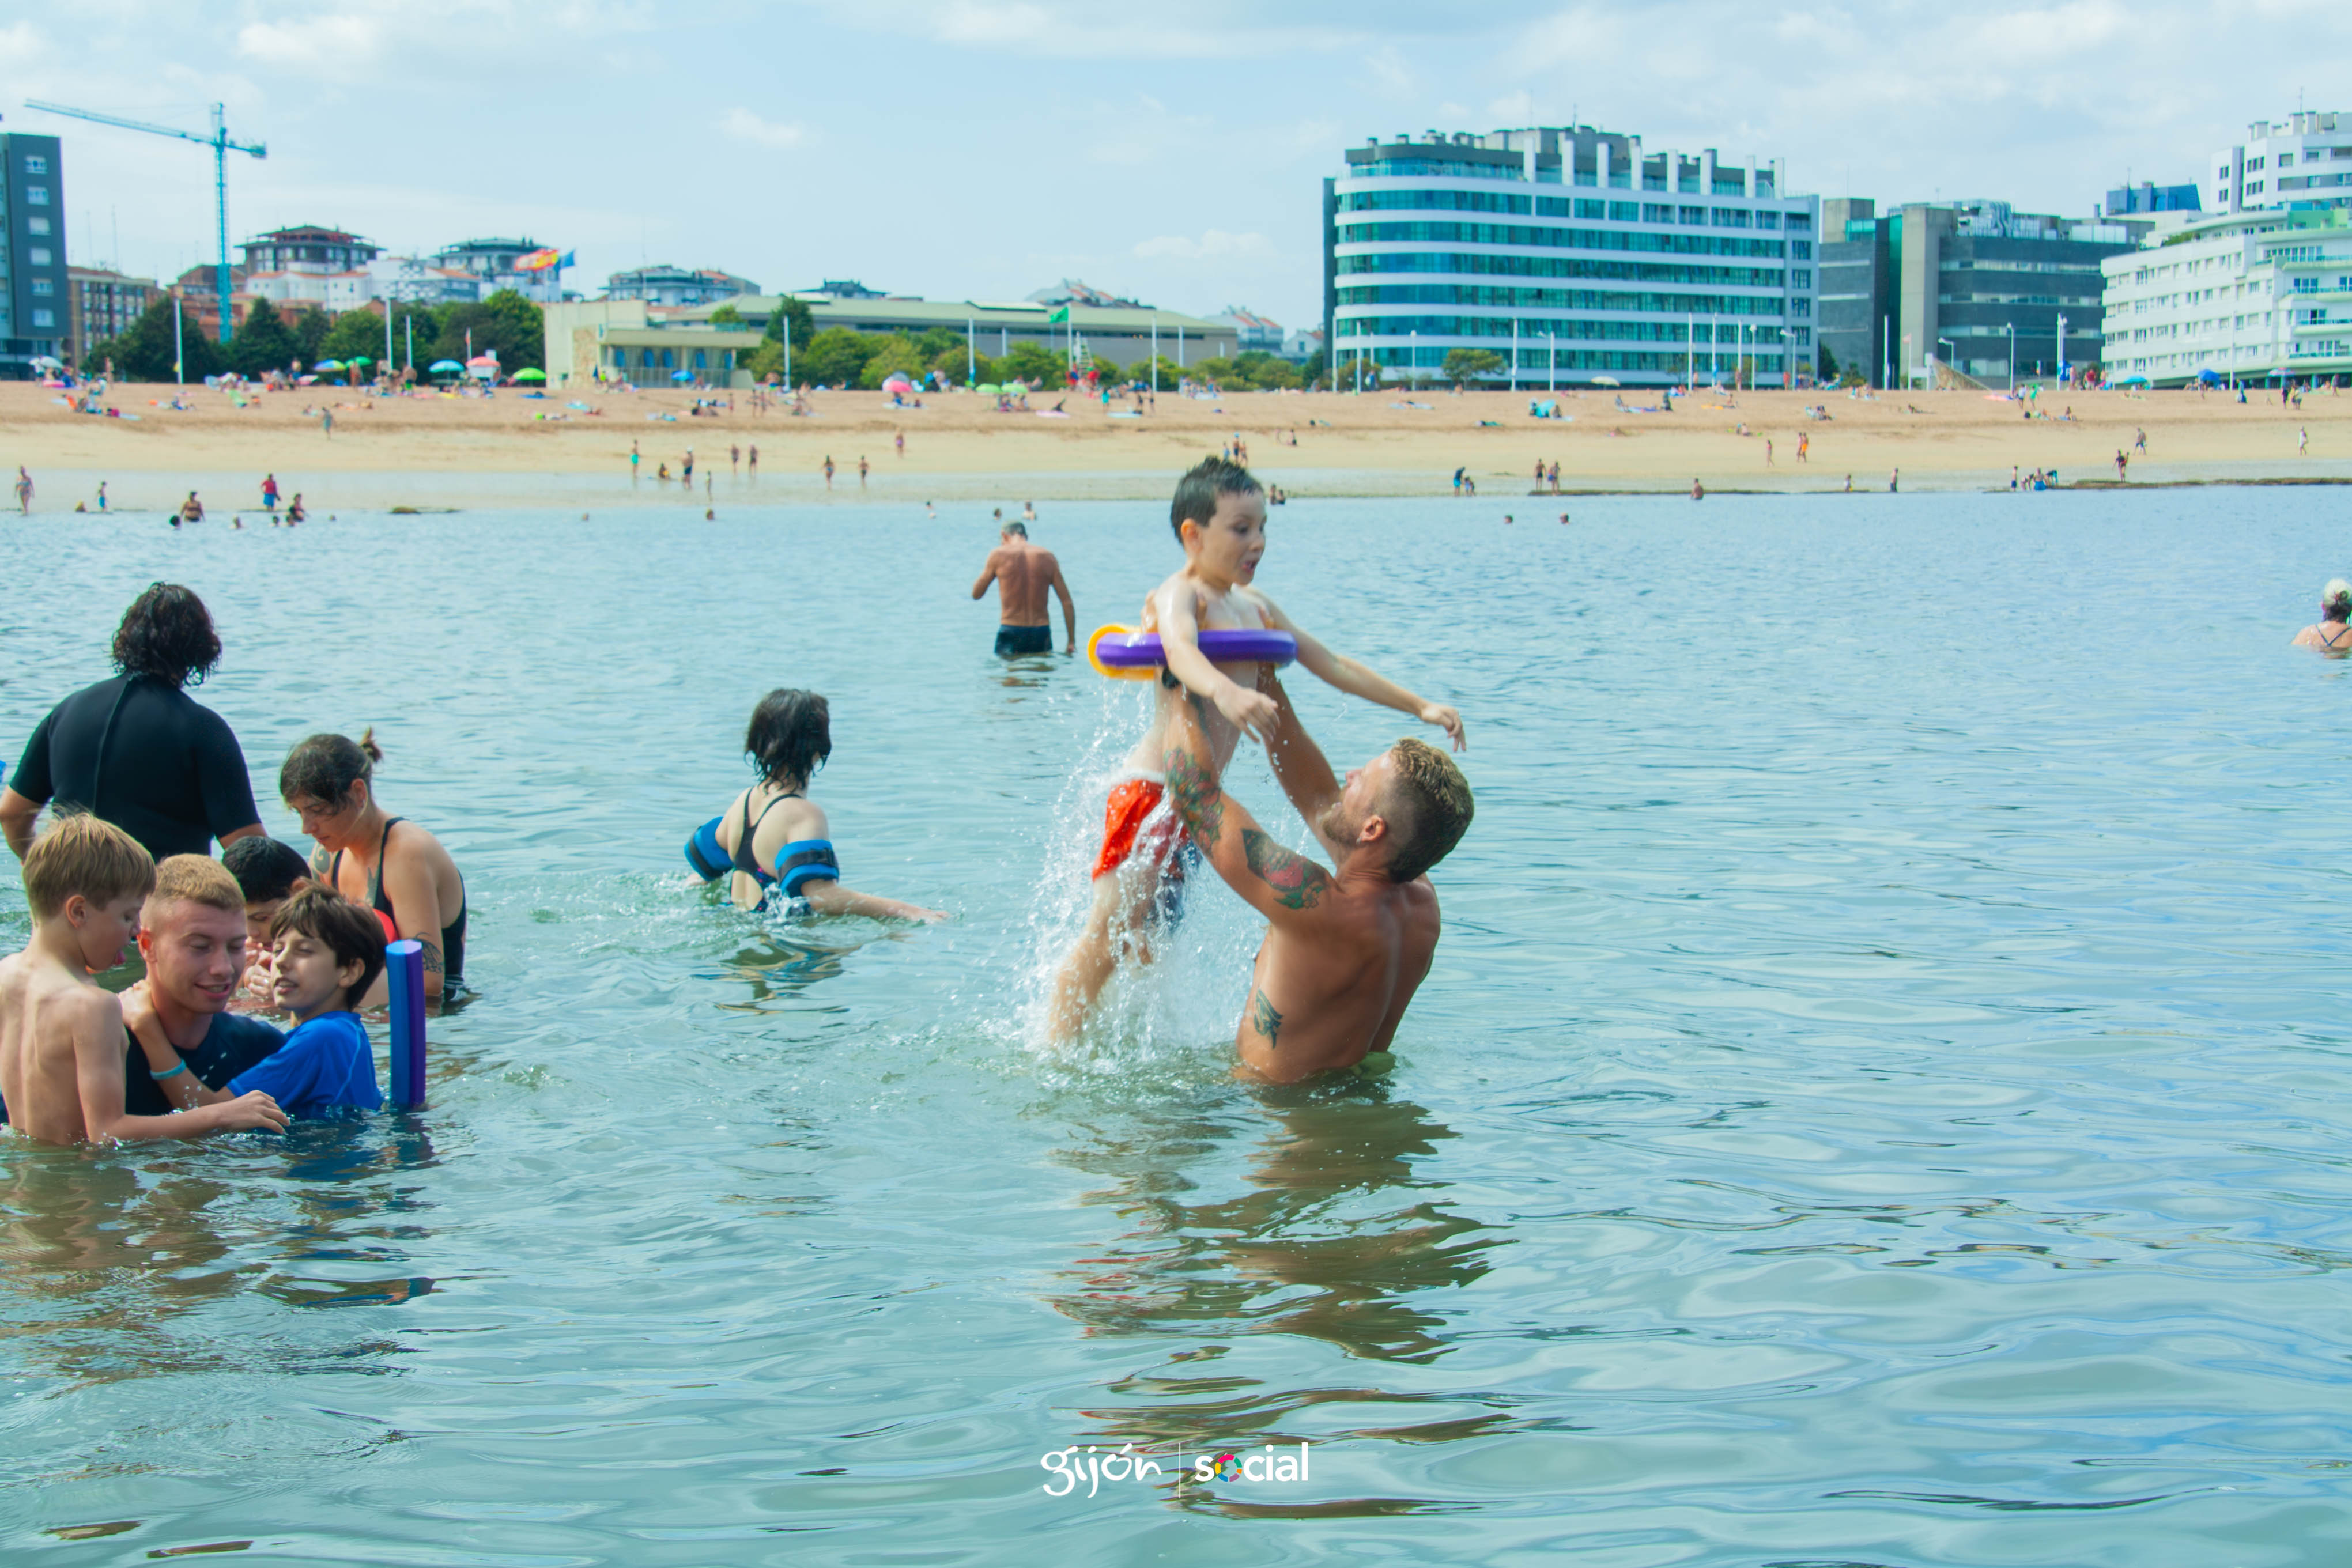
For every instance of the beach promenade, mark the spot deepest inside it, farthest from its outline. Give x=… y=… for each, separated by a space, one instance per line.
x=510 y=450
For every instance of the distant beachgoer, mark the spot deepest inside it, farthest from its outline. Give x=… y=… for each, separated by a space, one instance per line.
x=635 y=457
x=136 y=751
x=688 y=472
x=1028 y=511
x=2122 y=458
x=2140 y=440
x=1563 y=519
x=1768 y=452
x=861 y=470
x=2301 y=441
x=1022 y=573
x=1894 y=482
x=101 y=494
x=269 y=492
x=2333 y=634
x=327 y=421
x=776 y=836
x=1849 y=483
x=661 y=472
x=734 y=456
x=755 y=463
x=1555 y=475
x=1698 y=491
x=901 y=439
x=828 y=471
x=1457 y=481
x=294 y=512
x=329 y=781
x=2012 y=475
x=24 y=492
x=1804 y=444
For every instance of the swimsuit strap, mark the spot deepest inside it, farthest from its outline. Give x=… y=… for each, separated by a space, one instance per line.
x=745 y=859
x=2330 y=642
x=375 y=878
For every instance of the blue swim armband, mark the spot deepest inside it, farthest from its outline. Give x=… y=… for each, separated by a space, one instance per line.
x=807 y=861
x=704 y=853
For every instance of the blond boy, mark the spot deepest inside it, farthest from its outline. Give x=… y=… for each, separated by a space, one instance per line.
x=61 y=1036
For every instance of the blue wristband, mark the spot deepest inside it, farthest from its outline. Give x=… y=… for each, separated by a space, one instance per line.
x=159 y=1077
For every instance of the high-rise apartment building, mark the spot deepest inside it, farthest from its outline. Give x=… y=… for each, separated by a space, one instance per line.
x=33 y=299
x=1574 y=254
x=101 y=303
x=2302 y=159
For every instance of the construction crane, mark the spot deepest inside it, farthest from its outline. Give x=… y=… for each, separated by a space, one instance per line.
x=222 y=147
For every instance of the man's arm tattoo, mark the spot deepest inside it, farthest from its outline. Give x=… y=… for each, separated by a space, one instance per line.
x=1268 y=1020
x=1200 y=804
x=1298 y=882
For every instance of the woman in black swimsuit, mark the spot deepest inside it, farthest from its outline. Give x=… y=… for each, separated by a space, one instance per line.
x=407 y=877
x=2333 y=635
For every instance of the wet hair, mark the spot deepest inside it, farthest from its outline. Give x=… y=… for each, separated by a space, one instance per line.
x=81 y=854
x=1020 y=528
x=1437 y=808
x=168 y=634
x=265 y=869
x=353 y=933
x=325 y=767
x=790 y=737
x=196 y=879
x=1197 y=491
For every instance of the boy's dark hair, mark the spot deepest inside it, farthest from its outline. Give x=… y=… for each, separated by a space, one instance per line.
x=1197 y=491
x=265 y=869
x=790 y=737
x=168 y=634
x=323 y=768
x=351 y=932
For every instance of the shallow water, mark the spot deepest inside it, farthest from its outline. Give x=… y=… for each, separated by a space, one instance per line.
x=1880 y=1098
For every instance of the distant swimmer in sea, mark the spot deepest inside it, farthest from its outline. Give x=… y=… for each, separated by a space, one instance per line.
x=294 y=512
x=2333 y=634
x=1024 y=573
x=1698 y=491
x=773 y=836
x=1345 y=949
x=191 y=510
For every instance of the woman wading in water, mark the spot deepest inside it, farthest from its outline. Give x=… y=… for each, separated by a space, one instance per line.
x=385 y=863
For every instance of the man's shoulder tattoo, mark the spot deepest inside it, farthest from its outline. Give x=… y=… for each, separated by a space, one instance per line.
x=1298 y=882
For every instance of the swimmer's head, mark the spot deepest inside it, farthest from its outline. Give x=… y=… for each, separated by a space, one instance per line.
x=268 y=873
x=167 y=633
x=2336 y=598
x=1017 y=531
x=1203 y=489
x=790 y=737
x=1219 y=515
x=329 y=781
x=1412 y=798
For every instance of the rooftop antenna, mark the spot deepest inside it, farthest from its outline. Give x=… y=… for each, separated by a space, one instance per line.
x=221 y=145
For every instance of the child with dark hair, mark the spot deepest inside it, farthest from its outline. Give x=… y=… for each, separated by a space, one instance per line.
x=329 y=951
x=1219 y=517
x=772 y=836
x=268 y=873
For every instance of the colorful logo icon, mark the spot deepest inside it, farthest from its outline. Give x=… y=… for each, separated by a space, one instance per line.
x=1228 y=1467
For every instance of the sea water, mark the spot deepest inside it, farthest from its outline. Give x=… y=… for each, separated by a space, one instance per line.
x=1880 y=1098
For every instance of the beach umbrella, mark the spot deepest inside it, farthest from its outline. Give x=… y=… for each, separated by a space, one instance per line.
x=442 y=366
x=50 y=361
x=2136 y=380
x=897 y=382
x=359 y=360
x=529 y=375
x=1607 y=382
x=2210 y=376
x=681 y=375
x=328 y=365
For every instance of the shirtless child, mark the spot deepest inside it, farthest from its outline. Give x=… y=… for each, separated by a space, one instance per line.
x=61 y=1051
x=1219 y=516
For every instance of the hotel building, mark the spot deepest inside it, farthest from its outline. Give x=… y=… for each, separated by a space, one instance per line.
x=1574 y=254
x=2301 y=159
x=2250 y=295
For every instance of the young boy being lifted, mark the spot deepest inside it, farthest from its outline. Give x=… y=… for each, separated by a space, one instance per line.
x=61 y=1037
x=1219 y=517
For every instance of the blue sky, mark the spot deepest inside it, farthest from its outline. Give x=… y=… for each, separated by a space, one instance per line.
x=984 y=148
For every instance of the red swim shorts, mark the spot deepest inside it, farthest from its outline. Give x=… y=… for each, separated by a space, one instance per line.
x=1128 y=816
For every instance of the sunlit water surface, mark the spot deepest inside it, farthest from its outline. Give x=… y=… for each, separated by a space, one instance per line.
x=1880 y=1098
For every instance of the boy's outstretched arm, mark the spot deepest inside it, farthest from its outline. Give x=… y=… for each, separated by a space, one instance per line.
x=1179 y=644
x=97 y=1079
x=1273 y=880
x=1299 y=765
x=1361 y=680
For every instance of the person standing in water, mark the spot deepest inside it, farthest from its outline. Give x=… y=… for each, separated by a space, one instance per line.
x=1022 y=573
x=269 y=492
x=329 y=781
x=2333 y=634
x=774 y=835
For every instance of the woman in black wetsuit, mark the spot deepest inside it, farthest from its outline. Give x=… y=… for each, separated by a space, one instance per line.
x=388 y=863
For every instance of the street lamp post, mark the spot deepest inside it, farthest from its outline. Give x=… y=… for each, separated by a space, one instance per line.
x=1947 y=343
x=2013 y=356
x=1412 y=357
x=2062 y=351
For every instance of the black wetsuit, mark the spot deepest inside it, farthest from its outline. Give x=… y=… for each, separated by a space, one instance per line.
x=143 y=755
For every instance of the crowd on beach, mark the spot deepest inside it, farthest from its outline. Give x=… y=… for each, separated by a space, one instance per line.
x=139 y=781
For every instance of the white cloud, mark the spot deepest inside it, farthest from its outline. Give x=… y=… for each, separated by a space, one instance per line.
x=745 y=126
x=317 y=41
x=1215 y=242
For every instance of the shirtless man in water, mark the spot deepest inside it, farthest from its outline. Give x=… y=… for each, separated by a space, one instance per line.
x=1022 y=572
x=1345 y=950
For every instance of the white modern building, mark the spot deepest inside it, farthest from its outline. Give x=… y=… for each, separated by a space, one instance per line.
x=2249 y=296
x=1575 y=253
x=2301 y=159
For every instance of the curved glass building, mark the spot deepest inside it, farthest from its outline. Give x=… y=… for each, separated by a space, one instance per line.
x=1569 y=253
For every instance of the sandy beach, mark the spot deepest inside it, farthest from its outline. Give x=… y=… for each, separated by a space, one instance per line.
x=512 y=450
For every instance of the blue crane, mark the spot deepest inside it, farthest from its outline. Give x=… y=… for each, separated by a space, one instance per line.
x=222 y=147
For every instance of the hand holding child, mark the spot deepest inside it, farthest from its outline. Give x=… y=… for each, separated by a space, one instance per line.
x=1252 y=713
x=251 y=1112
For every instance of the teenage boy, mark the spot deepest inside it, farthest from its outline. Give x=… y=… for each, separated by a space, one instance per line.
x=1219 y=517
x=61 y=1052
x=327 y=952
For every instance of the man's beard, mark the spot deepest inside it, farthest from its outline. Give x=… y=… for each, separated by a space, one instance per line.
x=1334 y=825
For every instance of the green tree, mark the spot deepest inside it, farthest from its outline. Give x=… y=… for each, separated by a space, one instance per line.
x=262 y=342
x=144 y=352
x=1312 y=372
x=1463 y=366
x=1267 y=371
x=767 y=360
x=354 y=332
x=1171 y=376
x=1034 y=364
x=895 y=351
x=727 y=315
x=802 y=322
x=506 y=324
x=1108 y=372
x=958 y=369
x=835 y=356
x=1828 y=364
x=934 y=342
x=309 y=327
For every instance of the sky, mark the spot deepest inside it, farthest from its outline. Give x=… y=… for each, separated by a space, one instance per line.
x=985 y=149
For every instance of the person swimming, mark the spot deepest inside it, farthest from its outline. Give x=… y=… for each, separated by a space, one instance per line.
x=329 y=781
x=772 y=837
x=2333 y=634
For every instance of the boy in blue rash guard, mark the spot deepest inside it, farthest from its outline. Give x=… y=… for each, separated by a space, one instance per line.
x=327 y=952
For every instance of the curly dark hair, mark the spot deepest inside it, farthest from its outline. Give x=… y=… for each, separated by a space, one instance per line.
x=790 y=737
x=168 y=634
